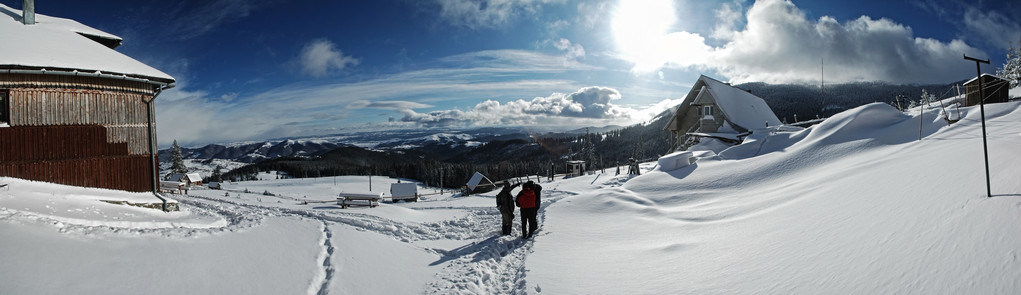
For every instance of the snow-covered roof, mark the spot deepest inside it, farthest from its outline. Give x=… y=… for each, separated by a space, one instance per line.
x=983 y=75
x=64 y=45
x=193 y=177
x=740 y=107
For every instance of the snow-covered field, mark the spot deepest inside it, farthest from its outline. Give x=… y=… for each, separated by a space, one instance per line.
x=857 y=204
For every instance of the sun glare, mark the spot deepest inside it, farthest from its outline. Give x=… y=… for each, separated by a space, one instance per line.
x=640 y=29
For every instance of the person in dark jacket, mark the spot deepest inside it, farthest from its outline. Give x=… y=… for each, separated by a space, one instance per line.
x=505 y=202
x=529 y=199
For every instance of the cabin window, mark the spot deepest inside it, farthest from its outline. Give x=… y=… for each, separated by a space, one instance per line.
x=707 y=110
x=5 y=106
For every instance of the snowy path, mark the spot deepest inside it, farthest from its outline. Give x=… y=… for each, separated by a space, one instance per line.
x=487 y=263
x=492 y=266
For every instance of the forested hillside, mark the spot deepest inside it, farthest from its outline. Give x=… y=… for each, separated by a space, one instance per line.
x=806 y=101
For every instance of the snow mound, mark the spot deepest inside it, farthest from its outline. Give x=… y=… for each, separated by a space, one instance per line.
x=857 y=124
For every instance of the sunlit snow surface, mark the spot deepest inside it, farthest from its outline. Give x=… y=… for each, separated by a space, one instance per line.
x=857 y=204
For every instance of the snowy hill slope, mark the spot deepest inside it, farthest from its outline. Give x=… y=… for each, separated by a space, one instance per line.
x=856 y=205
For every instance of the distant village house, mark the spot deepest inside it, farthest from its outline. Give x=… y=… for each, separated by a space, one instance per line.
x=189 y=179
x=72 y=109
x=713 y=109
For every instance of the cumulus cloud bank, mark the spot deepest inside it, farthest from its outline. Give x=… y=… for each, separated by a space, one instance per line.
x=779 y=44
x=585 y=106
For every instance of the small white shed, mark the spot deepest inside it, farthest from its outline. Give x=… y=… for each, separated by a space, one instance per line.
x=404 y=191
x=575 y=167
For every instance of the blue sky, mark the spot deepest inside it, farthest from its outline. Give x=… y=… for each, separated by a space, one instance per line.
x=253 y=70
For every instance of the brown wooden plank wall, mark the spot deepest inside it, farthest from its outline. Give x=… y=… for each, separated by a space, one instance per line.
x=77 y=130
x=40 y=143
x=120 y=173
x=123 y=113
x=72 y=155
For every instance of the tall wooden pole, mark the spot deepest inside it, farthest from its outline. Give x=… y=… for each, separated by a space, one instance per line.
x=982 y=110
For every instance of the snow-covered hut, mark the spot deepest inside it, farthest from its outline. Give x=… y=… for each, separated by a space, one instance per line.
x=575 y=167
x=189 y=179
x=718 y=110
x=996 y=89
x=72 y=109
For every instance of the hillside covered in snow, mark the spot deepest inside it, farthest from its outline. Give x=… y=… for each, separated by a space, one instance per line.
x=857 y=204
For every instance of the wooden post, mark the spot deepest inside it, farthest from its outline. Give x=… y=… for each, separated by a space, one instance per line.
x=982 y=111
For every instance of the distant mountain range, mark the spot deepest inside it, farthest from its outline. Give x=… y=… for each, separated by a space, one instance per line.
x=254 y=152
x=441 y=144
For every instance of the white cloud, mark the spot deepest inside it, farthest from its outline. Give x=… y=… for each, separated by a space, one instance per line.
x=194 y=117
x=571 y=50
x=228 y=97
x=387 y=105
x=779 y=44
x=591 y=13
x=321 y=57
x=586 y=107
x=728 y=18
x=189 y=20
x=475 y=14
x=993 y=27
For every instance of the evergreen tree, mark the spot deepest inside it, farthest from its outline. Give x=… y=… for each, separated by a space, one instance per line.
x=217 y=174
x=590 y=152
x=1011 y=69
x=177 y=165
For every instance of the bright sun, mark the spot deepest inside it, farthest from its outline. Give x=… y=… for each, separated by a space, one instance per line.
x=639 y=29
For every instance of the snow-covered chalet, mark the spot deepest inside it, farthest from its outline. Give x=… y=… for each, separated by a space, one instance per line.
x=72 y=109
x=718 y=110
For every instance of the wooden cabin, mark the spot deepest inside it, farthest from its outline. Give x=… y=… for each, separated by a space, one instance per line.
x=717 y=110
x=72 y=109
x=996 y=90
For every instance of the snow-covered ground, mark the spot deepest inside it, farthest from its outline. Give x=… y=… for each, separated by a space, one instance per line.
x=857 y=204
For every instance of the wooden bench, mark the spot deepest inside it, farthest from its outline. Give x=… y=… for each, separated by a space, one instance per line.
x=354 y=199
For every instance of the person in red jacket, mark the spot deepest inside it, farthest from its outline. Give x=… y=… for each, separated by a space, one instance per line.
x=528 y=199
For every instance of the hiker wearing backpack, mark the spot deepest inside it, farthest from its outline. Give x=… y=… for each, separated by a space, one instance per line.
x=505 y=203
x=528 y=199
